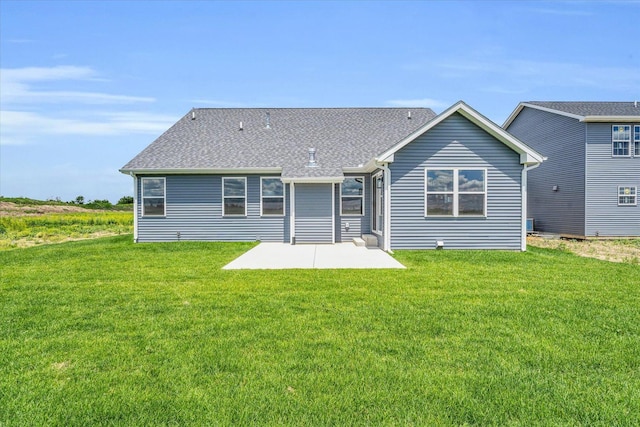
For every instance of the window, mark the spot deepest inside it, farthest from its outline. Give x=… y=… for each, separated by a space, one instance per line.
x=272 y=196
x=621 y=139
x=234 y=196
x=352 y=196
x=153 y=196
x=636 y=140
x=455 y=192
x=627 y=196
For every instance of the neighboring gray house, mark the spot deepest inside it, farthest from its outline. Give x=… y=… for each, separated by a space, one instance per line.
x=405 y=178
x=589 y=185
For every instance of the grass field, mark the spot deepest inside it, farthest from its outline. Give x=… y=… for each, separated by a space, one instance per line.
x=107 y=332
x=27 y=222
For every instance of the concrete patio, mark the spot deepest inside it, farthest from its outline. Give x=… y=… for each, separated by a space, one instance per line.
x=273 y=256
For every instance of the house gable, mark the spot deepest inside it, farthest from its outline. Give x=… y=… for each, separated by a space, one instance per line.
x=456 y=142
x=527 y=154
x=575 y=193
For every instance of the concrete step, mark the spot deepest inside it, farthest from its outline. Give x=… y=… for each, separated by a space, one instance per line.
x=359 y=242
x=370 y=240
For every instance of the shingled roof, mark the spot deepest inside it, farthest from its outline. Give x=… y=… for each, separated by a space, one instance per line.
x=584 y=111
x=226 y=139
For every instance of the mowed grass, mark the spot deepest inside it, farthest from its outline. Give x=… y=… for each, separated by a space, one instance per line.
x=107 y=332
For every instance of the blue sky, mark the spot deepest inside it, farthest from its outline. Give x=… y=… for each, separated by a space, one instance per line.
x=85 y=86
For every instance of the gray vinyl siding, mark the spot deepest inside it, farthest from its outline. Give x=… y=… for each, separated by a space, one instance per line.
x=194 y=212
x=313 y=215
x=358 y=225
x=562 y=140
x=456 y=143
x=604 y=174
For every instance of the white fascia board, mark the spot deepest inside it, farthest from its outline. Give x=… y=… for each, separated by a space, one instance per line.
x=387 y=156
x=502 y=135
x=369 y=167
x=228 y=171
x=538 y=107
x=618 y=119
x=480 y=121
x=314 y=180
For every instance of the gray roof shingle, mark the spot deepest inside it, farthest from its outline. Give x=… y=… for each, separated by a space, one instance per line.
x=592 y=108
x=343 y=137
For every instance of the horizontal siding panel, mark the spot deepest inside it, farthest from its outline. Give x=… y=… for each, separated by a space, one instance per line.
x=194 y=212
x=562 y=140
x=456 y=143
x=604 y=174
x=358 y=225
x=313 y=216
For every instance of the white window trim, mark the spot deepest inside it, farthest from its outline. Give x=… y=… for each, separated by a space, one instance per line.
x=234 y=197
x=456 y=193
x=635 y=195
x=636 y=141
x=284 y=197
x=364 y=186
x=629 y=141
x=164 y=196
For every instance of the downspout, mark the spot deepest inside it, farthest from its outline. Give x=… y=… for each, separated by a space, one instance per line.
x=386 y=231
x=135 y=207
x=292 y=213
x=525 y=169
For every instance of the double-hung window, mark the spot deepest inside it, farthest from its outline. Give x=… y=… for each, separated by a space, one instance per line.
x=153 y=196
x=627 y=196
x=272 y=196
x=636 y=140
x=352 y=196
x=456 y=192
x=621 y=140
x=234 y=196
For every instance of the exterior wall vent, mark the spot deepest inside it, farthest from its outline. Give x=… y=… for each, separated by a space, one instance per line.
x=312 y=158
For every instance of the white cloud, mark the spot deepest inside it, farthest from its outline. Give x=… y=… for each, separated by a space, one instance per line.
x=24 y=120
x=22 y=127
x=218 y=103
x=17 y=88
x=418 y=103
x=518 y=75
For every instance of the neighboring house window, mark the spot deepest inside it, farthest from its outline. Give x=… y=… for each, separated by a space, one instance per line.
x=272 y=196
x=153 y=196
x=636 y=140
x=234 y=196
x=352 y=196
x=455 y=192
x=621 y=139
x=627 y=196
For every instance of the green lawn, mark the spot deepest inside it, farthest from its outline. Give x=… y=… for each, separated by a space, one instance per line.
x=107 y=332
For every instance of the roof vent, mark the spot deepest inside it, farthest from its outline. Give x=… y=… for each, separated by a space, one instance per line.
x=635 y=104
x=408 y=115
x=193 y=114
x=267 y=119
x=241 y=127
x=312 y=158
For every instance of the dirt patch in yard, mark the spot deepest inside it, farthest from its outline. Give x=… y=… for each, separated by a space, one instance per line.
x=619 y=250
x=14 y=209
